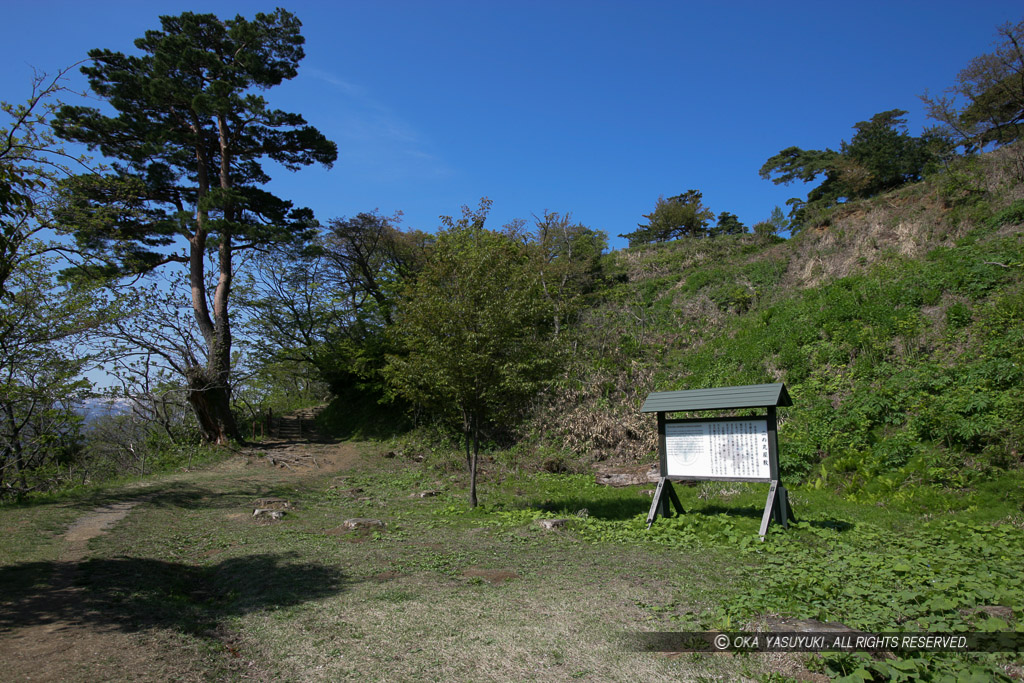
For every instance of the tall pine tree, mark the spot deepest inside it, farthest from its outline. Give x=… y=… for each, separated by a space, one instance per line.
x=187 y=143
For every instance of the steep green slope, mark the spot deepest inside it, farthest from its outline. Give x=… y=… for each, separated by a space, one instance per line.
x=898 y=329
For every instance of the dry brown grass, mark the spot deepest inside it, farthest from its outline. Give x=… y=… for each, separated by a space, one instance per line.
x=598 y=418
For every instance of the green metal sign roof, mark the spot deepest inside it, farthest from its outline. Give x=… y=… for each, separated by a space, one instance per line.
x=720 y=398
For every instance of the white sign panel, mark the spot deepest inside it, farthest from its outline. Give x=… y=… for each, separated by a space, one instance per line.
x=733 y=449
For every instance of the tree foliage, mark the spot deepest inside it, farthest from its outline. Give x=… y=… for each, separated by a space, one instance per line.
x=881 y=156
x=189 y=135
x=328 y=304
x=775 y=225
x=568 y=256
x=42 y=333
x=985 y=106
x=728 y=224
x=683 y=215
x=43 y=323
x=473 y=330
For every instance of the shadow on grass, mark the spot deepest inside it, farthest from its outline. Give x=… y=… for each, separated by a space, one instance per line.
x=730 y=510
x=135 y=594
x=757 y=512
x=623 y=509
x=834 y=524
x=616 y=509
x=180 y=495
x=159 y=493
x=361 y=414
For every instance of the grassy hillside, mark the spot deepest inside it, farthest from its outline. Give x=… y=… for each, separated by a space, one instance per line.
x=897 y=325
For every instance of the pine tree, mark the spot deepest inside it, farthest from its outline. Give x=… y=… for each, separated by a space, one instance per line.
x=187 y=141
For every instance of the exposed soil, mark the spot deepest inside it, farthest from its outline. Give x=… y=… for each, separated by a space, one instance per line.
x=49 y=636
x=55 y=646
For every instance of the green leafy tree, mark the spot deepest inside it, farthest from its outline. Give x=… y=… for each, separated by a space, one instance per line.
x=775 y=225
x=189 y=135
x=568 y=262
x=43 y=323
x=43 y=328
x=473 y=330
x=881 y=156
x=985 y=106
x=683 y=215
x=778 y=220
x=728 y=224
x=31 y=163
x=325 y=307
x=885 y=154
x=370 y=257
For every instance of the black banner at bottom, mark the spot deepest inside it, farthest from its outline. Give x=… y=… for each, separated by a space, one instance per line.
x=821 y=641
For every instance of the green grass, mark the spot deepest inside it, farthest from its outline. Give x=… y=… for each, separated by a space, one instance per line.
x=448 y=592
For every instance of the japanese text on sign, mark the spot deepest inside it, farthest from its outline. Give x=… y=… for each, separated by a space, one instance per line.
x=727 y=449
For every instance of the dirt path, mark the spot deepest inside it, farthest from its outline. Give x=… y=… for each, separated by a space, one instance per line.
x=56 y=646
x=86 y=528
x=52 y=635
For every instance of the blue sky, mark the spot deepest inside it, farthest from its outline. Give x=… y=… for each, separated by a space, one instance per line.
x=594 y=108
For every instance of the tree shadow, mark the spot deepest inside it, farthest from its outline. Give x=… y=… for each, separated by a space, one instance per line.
x=730 y=510
x=755 y=512
x=288 y=442
x=136 y=594
x=834 y=524
x=180 y=495
x=612 y=510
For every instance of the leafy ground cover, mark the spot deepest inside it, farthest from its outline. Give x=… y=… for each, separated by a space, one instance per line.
x=448 y=592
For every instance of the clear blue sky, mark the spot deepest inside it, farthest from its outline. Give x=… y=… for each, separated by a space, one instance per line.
x=594 y=108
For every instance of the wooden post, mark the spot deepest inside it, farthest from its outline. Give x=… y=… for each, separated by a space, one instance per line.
x=654 y=503
x=665 y=499
x=769 y=505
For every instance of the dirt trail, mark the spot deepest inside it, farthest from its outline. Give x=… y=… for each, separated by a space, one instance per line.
x=59 y=647
x=90 y=526
x=59 y=642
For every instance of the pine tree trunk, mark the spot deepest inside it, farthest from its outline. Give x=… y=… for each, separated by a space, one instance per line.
x=210 y=399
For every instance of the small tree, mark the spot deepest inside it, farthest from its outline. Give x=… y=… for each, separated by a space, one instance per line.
x=681 y=216
x=568 y=262
x=474 y=331
x=880 y=156
x=778 y=220
x=772 y=227
x=728 y=224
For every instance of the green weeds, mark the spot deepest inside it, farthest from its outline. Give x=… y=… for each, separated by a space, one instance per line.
x=870 y=568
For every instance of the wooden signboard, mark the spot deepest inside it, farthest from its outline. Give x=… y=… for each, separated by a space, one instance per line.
x=724 y=449
x=720 y=449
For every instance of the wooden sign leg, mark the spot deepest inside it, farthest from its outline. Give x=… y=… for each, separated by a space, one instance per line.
x=665 y=508
x=656 y=502
x=674 y=498
x=769 y=505
x=781 y=512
